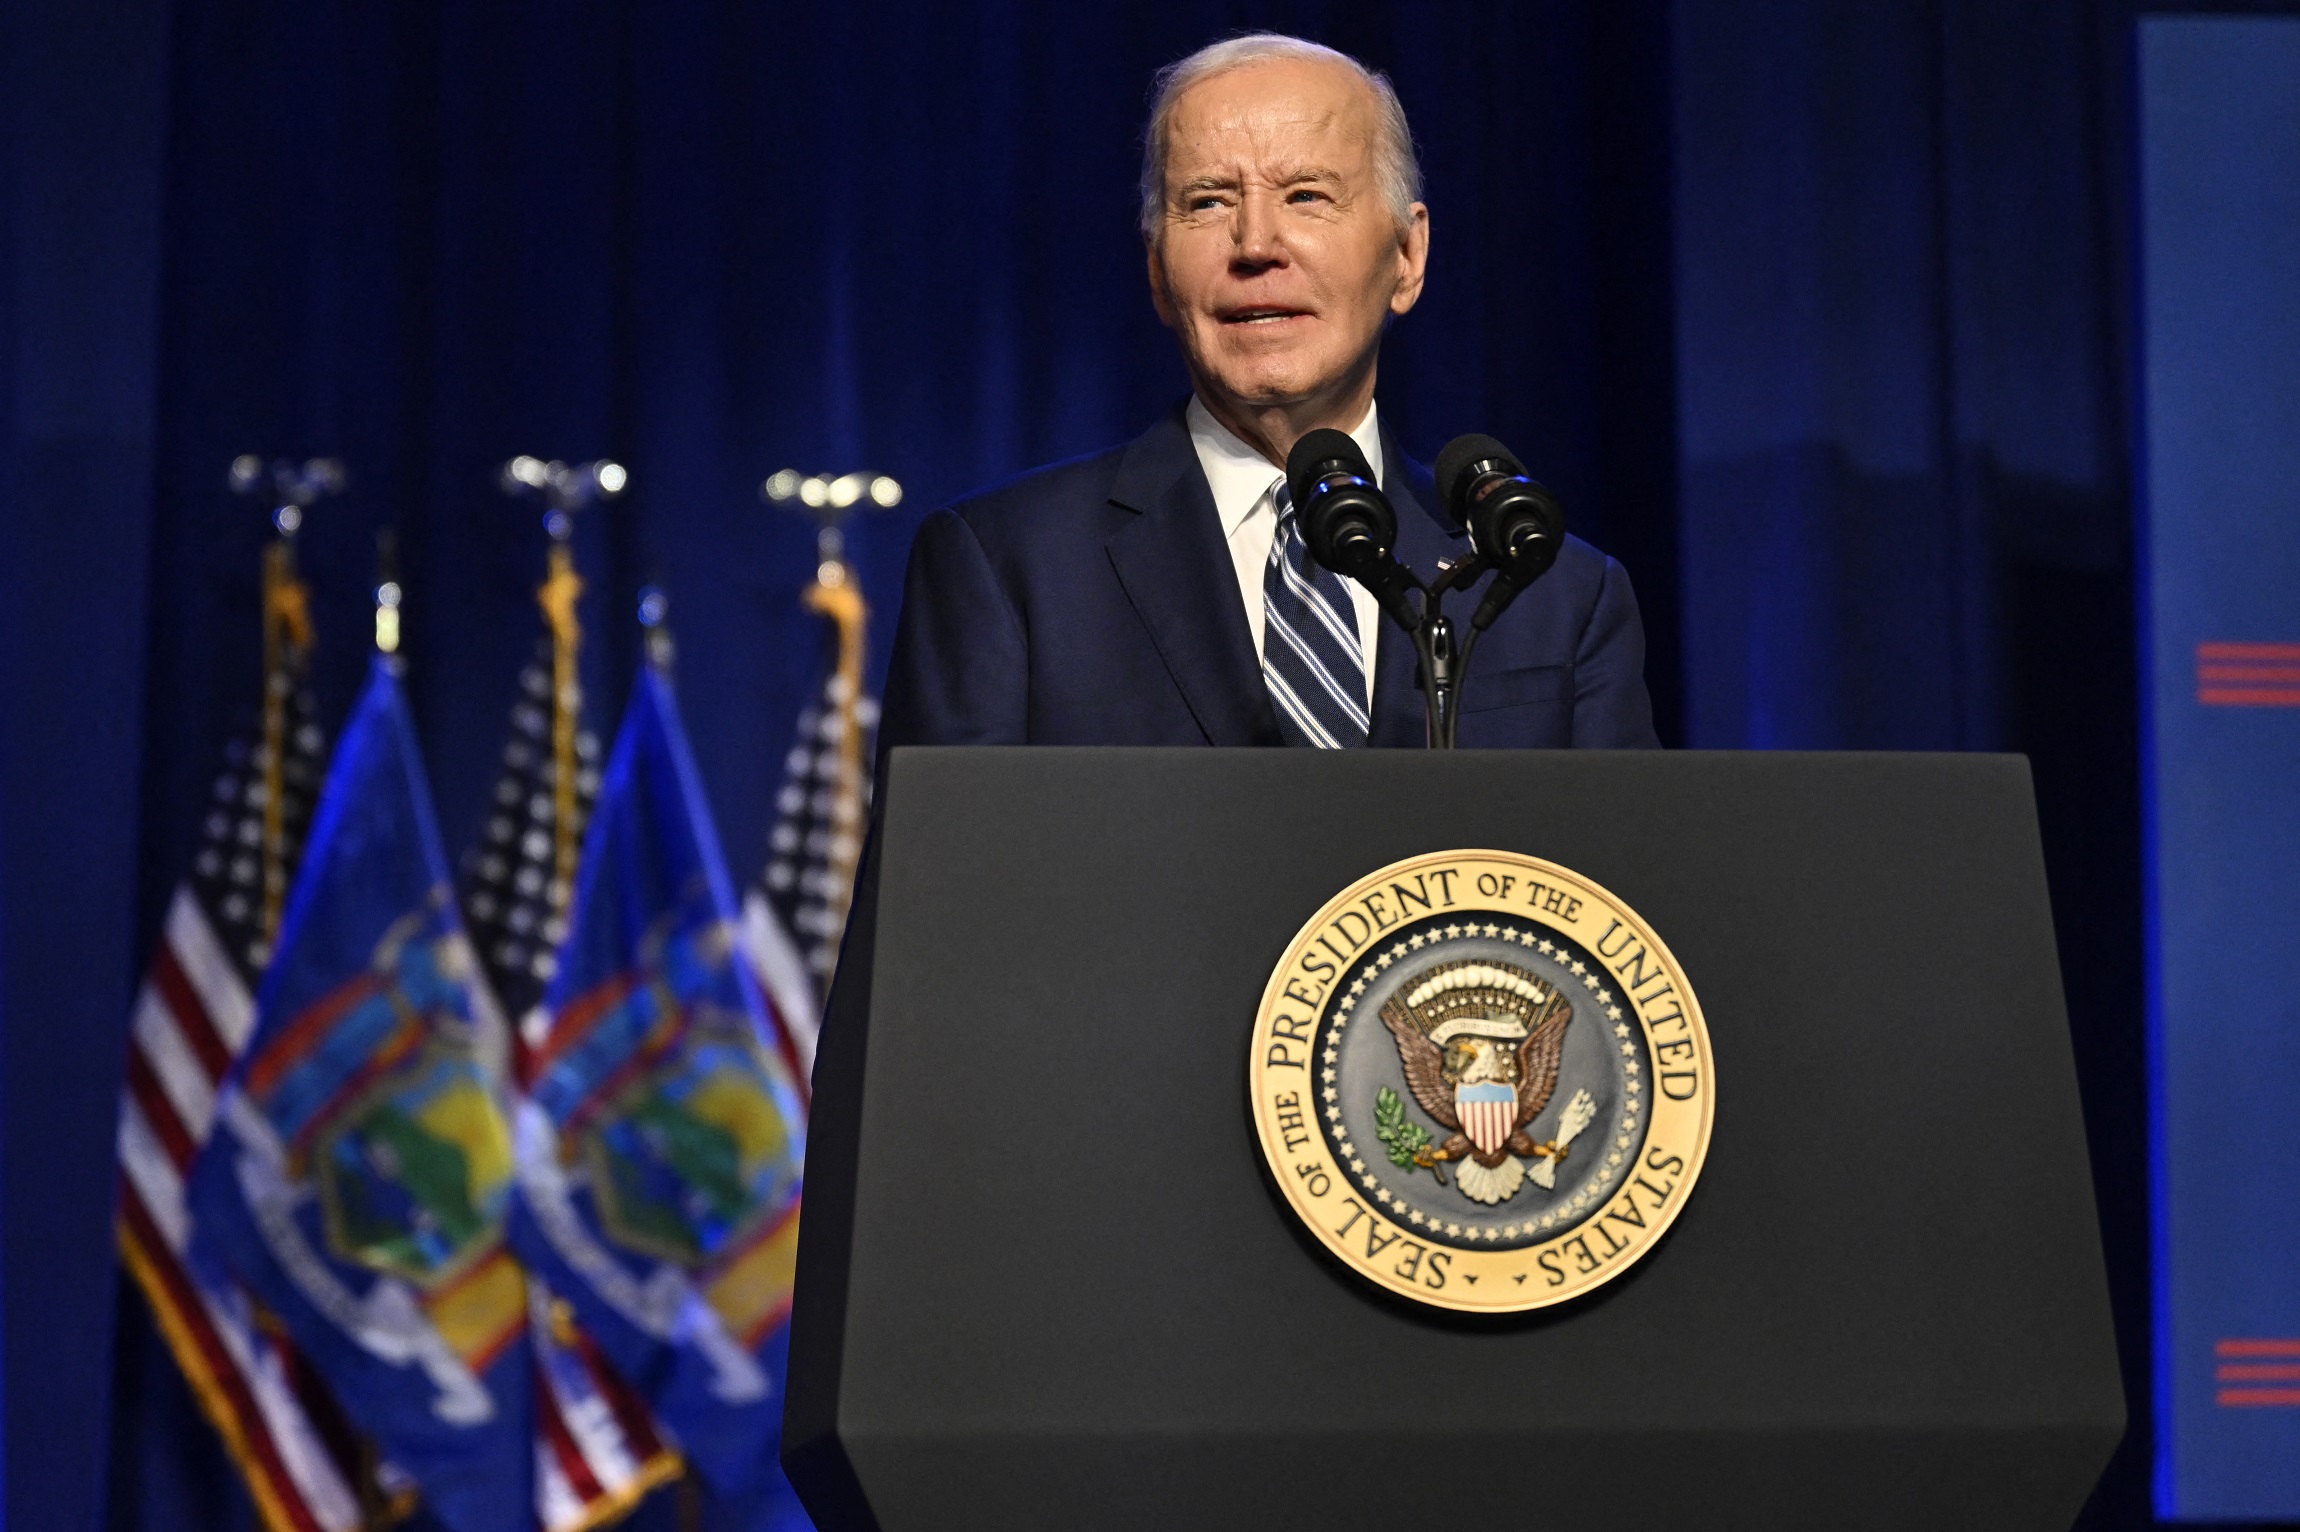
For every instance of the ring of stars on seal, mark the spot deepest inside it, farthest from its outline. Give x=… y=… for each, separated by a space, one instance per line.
x=1482 y=1081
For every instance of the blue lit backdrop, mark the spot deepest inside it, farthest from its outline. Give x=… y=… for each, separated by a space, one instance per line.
x=1814 y=314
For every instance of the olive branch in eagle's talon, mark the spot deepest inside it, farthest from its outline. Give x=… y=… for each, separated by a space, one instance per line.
x=1407 y=1143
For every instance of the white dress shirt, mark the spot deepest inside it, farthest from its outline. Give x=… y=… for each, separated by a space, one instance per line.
x=1245 y=497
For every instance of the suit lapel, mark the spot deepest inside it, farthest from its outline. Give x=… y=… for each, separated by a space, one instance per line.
x=1177 y=572
x=1422 y=541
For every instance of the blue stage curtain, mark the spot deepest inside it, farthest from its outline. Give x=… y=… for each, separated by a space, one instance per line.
x=81 y=123
x=1897 y=360
x=1902 y=340
x=1811 y=312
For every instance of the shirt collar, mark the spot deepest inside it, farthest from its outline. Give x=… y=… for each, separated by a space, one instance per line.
x=1240 y=476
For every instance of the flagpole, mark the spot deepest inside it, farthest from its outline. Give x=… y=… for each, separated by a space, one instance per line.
x=376 y=1512
x=287 y=628
x=557 y=595
x=387 y=592
x=836 y=593
x=836 y=596
x=565 y=489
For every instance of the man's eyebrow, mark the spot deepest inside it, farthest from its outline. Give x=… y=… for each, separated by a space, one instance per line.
x=1294 y=177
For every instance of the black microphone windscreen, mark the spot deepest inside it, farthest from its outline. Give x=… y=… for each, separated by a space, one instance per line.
x=1316 y=454
x=1453 y=466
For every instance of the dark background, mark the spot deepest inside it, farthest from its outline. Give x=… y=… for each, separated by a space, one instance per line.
x=1816 y=314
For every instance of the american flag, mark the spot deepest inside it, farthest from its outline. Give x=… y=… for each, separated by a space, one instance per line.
x=598 y=1450
x=796 y=914
x=193 y=1014
x=514 y=903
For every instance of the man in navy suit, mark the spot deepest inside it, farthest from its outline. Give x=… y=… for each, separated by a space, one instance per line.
x=1158 y=594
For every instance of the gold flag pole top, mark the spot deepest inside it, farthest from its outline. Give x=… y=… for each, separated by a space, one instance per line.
x=387 y=593
x=837 y=595
x=565 y=490
x=293 y=489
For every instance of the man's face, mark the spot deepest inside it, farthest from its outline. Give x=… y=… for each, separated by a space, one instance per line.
x=1278 y=259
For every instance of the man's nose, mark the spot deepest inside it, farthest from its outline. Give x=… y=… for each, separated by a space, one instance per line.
x=1258 y=241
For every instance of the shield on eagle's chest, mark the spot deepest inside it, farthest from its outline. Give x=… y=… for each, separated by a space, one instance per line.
x=1488 y=1114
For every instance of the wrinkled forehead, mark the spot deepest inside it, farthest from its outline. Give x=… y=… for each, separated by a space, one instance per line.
x=1273 y=116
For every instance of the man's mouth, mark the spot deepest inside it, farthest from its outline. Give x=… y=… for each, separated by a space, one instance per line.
x=1261 y=314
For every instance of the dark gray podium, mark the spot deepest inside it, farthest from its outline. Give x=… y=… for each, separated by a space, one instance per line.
x=1045 y=1283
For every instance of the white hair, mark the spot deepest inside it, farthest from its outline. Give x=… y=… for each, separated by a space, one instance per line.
x=1397 y=171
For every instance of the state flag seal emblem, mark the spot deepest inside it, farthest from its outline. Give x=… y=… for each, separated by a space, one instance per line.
x=1482 y=1081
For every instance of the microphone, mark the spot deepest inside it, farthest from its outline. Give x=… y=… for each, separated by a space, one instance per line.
x=1347 y=521
x=1515 y=524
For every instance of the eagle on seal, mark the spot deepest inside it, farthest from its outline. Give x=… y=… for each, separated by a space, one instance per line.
x=1481 y=1044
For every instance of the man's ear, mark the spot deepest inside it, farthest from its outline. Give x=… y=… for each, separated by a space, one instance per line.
x=1158 y=297
x=1413 y=259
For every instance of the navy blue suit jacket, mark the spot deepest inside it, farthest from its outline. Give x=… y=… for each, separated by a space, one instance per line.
x=1095 y=603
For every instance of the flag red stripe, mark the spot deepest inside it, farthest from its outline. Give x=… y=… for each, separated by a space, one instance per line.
x=631 y=1412
x=191 y=1013
x=307 y=1031
x=159 y=1111
x=2248 y=696
x=405 y=1039
x=783 y=1031
x=192 y=1316
x=575 y=1021
x=322 y=1411
x=2282 y=674
x=2258 y=1372
x=2277 y=1347
x=790 y=1052
x=660 y=1039
x=2258 y=1397
x=2240 y=651
x=572 y=1463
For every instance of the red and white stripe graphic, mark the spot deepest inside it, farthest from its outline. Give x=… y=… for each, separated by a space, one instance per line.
x=2248 y=675
x=193 y=1015
x=2257 y=1373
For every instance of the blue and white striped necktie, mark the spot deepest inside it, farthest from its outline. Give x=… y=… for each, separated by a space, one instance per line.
x=1311 y=658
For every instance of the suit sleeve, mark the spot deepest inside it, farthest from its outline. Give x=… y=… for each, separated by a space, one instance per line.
x=1611 y=710
x=960 y=671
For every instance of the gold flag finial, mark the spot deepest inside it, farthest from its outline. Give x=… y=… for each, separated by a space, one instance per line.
x=557 y=596
x=292 y=488
x=565 y=489
x=387 y=592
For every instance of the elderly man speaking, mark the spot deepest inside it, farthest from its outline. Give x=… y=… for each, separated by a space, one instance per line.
x=1160 y=593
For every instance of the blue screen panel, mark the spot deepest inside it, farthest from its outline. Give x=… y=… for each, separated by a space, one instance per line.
x=2220 y=302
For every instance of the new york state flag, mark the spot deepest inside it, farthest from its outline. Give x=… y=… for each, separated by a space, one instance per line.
x=361 y=1166
x=660 y=1132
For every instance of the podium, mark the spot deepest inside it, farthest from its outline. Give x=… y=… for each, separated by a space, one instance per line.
x=1047 y=1282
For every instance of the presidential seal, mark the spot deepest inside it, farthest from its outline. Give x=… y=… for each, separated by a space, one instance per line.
x=1482 y=1081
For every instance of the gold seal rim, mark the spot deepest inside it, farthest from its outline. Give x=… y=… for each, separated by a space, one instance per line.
x=1469 y=1296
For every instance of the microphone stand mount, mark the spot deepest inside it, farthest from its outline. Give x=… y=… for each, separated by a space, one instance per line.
x=1444 y=662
